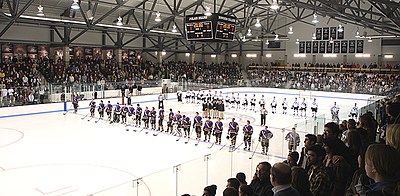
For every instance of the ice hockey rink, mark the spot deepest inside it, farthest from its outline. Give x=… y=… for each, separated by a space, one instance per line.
x=43 y=152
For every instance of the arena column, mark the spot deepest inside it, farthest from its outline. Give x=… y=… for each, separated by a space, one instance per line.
x=118 y=55
x=66 y=57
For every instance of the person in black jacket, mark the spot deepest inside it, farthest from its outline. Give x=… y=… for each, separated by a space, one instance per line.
x=261 y=183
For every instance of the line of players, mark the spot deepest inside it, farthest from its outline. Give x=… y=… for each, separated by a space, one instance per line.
x=177 y=122
x=234 y=101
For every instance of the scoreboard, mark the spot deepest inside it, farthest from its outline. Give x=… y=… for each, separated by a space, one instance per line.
x=210 y=28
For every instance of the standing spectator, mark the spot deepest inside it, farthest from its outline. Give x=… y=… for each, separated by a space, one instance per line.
x=230 y=191
x=281 y=178
x=233 y=182
x=210 y=190
x=261 y=184
x=393 y=136
x=241 y=177
x=319 y=179
x=300 y=181
x=309 y=140
x=245 y=190
x=292 y=159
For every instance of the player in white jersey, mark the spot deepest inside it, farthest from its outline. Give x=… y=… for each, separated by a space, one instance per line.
x=273 y=105
x=314 y=108
x=262 y=102
x=227 y=101
x=253 y=102
x=232 y=100
x=193 y=96
x=237 y=100
x=187 y=96
x=303 y=107
x=335 y=112
x=354 y=112
x=284 y=105
x=221 y=96
x=295 y=107
x=245 y=102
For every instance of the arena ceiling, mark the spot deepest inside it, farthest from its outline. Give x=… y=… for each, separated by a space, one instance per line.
x=382 y=16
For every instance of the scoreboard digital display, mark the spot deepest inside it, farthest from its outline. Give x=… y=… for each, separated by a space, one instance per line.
x=216 y=27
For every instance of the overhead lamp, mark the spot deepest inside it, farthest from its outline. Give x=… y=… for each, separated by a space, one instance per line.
x=331 y=41
x=119 y=21
x=233 y=55
x=274 y=5
x=388 y=56
x=369 y=40
x=267 y=42
x=276 y=37
x=208 y=11
x=187 y=54
x=75 y=5
x=314 y=37
x=158 y=18
x=297 y=41
x=244 y=39
x=340 y=29
x=258 y=24
x=174 y=30
x=315 y=20
x=290 y=30
x=249 y=32
x=357 y=34
x=40 y=11
x=89 y=15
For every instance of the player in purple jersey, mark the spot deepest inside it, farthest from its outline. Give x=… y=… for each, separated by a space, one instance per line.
x=146 y=116
x=264 y=137
x=197 y=122
x=233 y=132
x=208 y=125
x=117 y=113
x=247 y=132
x=75 y=102
x=170 y=119
x=218 y=128
x=131 y=112
x=101 y=109
x=160 y=120
x=153 y=116
x=186 y=125
x=108 y=110
x=178 y=124
x=92 y=106
x=124 y=112
x=138 y=115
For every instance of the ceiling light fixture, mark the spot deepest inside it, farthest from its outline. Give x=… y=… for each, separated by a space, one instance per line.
x=331 y=41
x=158 y=17
x=75 y=5
x=267 y=42
x=208 y=11
x=249 y=32
x=174 y=30
x=290 y=30
x=314 y=37
x=357 y=34
x=258 y=24
x=340 y=29
x=89 y=15
x=274 y=5
x=297 y=41
x=276 y=37
x=119 y=21
x=40 y=11
x=369 y=40
x=315 y=20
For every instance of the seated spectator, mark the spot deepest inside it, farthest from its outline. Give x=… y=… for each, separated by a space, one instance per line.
x=245 y=190
x=242 y=178
x=230 y=191
x=300 y=181
x=210 y=190
x=382 y=165
x=281 y=178
x=261 y=183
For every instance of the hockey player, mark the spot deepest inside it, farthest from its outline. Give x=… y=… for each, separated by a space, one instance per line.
x=193 y=96
x=284 y=106
x=169 y=123
x=109 y=110
x=177 y=123
x=237 y=99
x=146 y=116
x=138 y=115
x=75 y=103
x=131 y=112
x=221 y=109
x=161 y=101
x=262 y=102
x=124 y=112
x=197 y=122
x=153 y=117
x=160 y=120
x=92 y=105
x=101 y=109
x=233 y=132
x=221 y=96
x=117 y=113
x=247 y=132
x=273 y=105
x=187 y=96
x=314 y=108
x=199 y=96
x=245 y=102
x=204 y=109
x=303 y=108
x=295 y=107
x=232 y=100
x=264 y=137
x=218 y=128
x=208 y=125
x=186 y=125
x=354 y=112
x=253 y=103
x=293 y=139
x=227 y=101
x=179 y=95
x=335 y=112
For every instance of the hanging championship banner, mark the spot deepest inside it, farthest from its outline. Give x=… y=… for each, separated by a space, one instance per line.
x=333 y=32
x=352 y=46
x=308 y=47
x=315 y=47
x=343 y=46
x=336 y=47
x=322 y=46
x=329 y=47
x=360 y=46
x=302 y=46
x=318 y=33
x=325 y=33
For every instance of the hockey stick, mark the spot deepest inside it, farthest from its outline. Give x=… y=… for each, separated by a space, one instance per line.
x=211 y=145
x=198 y=141
x=237 y=147
x=90 y=118
x=254 y=150
x=85 y=116
x=224 y=145
x=178 y=138
x=98 y=120
x=64 y=113
x=190 y=135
